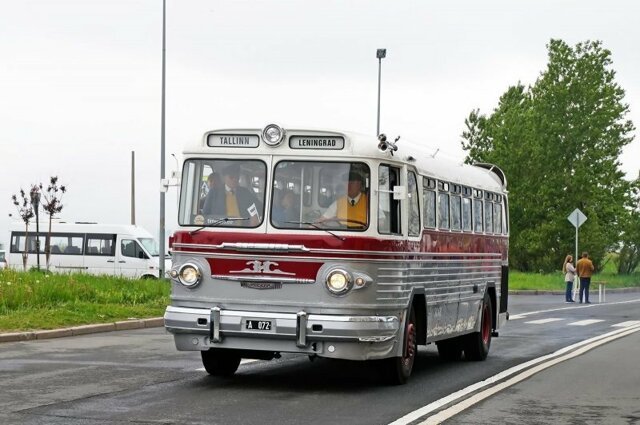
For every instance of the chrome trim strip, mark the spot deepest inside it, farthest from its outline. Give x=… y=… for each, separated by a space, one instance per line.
x=262 y=279
x=244 y=246
x=494 y=257
x=346 y=251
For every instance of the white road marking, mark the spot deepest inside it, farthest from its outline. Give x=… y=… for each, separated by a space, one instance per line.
x=517 y=316
x=627 y=324
x=531 y=313
x=586 y=322
x=542 y=321
x=534 y=366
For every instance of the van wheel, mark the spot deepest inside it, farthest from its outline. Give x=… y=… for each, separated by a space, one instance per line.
x=220 y=362
x=450 y=349
x=398 y=369
x=477 y=344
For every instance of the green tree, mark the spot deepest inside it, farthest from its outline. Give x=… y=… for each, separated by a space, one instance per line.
x=629 y=256
x=559 y=143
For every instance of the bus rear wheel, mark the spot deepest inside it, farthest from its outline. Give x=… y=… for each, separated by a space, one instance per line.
x=220 y=362
x=398 y=369
x=477 y=344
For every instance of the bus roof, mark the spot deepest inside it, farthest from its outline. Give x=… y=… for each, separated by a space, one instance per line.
x=230 y=142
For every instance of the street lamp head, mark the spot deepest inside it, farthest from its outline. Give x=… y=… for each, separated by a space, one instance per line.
x=381 y=53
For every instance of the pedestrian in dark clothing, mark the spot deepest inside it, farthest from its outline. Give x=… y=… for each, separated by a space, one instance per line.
x=585 y=269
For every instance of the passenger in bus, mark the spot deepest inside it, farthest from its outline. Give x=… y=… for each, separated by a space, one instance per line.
x=213 y=183
x=284 y=209
x=234 y=200
x=350 y=209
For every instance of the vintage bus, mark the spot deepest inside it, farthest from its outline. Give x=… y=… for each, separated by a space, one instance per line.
x=337 y=245
x=110 y=249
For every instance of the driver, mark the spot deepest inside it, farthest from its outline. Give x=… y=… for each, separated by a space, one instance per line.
x=351 y=209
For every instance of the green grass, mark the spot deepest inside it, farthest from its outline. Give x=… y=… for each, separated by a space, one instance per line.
x=555 y=281
x=35 y=300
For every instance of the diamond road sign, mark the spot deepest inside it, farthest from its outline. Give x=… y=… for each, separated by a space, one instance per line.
x=577 y=218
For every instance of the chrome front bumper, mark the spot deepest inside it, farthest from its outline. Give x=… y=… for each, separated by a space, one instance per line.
x=222 y=328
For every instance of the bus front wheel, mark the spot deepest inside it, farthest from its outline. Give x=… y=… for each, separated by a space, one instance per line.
x=398 y=369
x=220 y=362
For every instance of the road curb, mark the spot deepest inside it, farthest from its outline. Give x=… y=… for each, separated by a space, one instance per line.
x=153 y=322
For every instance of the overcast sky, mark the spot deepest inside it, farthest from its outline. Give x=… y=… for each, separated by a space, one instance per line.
x=80 y=80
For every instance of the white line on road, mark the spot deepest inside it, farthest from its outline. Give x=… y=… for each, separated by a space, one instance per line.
x=543 y=321
x=530 y=313
x=534 y=366
x=586 y=322
x=627 y=324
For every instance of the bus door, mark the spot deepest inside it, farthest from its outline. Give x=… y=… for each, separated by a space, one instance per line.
x=132 y=260
x=100 y=253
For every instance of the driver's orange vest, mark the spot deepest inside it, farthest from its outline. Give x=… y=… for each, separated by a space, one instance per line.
x=357 y=212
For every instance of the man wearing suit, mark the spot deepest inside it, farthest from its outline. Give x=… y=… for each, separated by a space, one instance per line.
x=233 y=200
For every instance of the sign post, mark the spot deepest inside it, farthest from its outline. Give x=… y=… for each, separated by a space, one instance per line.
x=577 y=218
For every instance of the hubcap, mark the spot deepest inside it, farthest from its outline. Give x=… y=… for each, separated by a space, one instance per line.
x=410 y=344
x=486 y=325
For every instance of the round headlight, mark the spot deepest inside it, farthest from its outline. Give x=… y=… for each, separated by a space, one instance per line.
x=189 y=275
x=339 y=282
x=273 y=135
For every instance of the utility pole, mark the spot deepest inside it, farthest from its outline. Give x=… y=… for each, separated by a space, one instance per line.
x=162 y=200
x=133 y=187
x=380 y=54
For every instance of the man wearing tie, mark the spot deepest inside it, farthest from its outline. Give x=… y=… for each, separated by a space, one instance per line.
x=350 y=209
x=235 y=200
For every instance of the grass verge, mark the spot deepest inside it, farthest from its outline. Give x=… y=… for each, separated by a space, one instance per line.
x=35 y=300
x=555 y=281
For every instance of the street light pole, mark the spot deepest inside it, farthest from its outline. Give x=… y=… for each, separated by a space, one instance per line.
x=162 y=200
x=35 y=201
x=380 y=54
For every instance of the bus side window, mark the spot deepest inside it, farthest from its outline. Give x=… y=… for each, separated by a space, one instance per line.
x=414 y=205
x=388 y=208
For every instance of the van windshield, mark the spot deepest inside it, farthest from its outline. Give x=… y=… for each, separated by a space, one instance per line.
x=150 y=245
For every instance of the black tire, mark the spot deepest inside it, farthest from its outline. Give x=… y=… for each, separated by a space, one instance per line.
x=477 y=344
x=398 y=369
x=450 y=349
x=220 y=362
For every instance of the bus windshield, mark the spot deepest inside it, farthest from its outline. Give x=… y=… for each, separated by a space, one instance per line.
x=150 y=245
x=227 y=193
x=320 y=195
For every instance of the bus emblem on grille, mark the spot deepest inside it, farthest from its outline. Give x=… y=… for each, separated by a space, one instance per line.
x=257 y=266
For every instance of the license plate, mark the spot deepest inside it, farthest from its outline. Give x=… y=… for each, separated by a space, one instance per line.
x=258 y=325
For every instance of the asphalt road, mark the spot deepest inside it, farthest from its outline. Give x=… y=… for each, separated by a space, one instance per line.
x=138 y=377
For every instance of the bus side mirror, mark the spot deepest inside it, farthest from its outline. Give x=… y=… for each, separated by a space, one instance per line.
x=399 y=193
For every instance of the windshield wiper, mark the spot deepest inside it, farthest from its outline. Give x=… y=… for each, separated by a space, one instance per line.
x=218 y=222
x=315 y=226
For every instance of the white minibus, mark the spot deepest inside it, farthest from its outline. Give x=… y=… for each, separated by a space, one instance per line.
x=112 y=249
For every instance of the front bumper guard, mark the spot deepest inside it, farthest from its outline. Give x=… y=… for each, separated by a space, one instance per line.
x=301 y=326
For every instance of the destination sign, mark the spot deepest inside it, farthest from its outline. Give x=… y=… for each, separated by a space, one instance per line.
x=316 y=142
x=233 y=141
